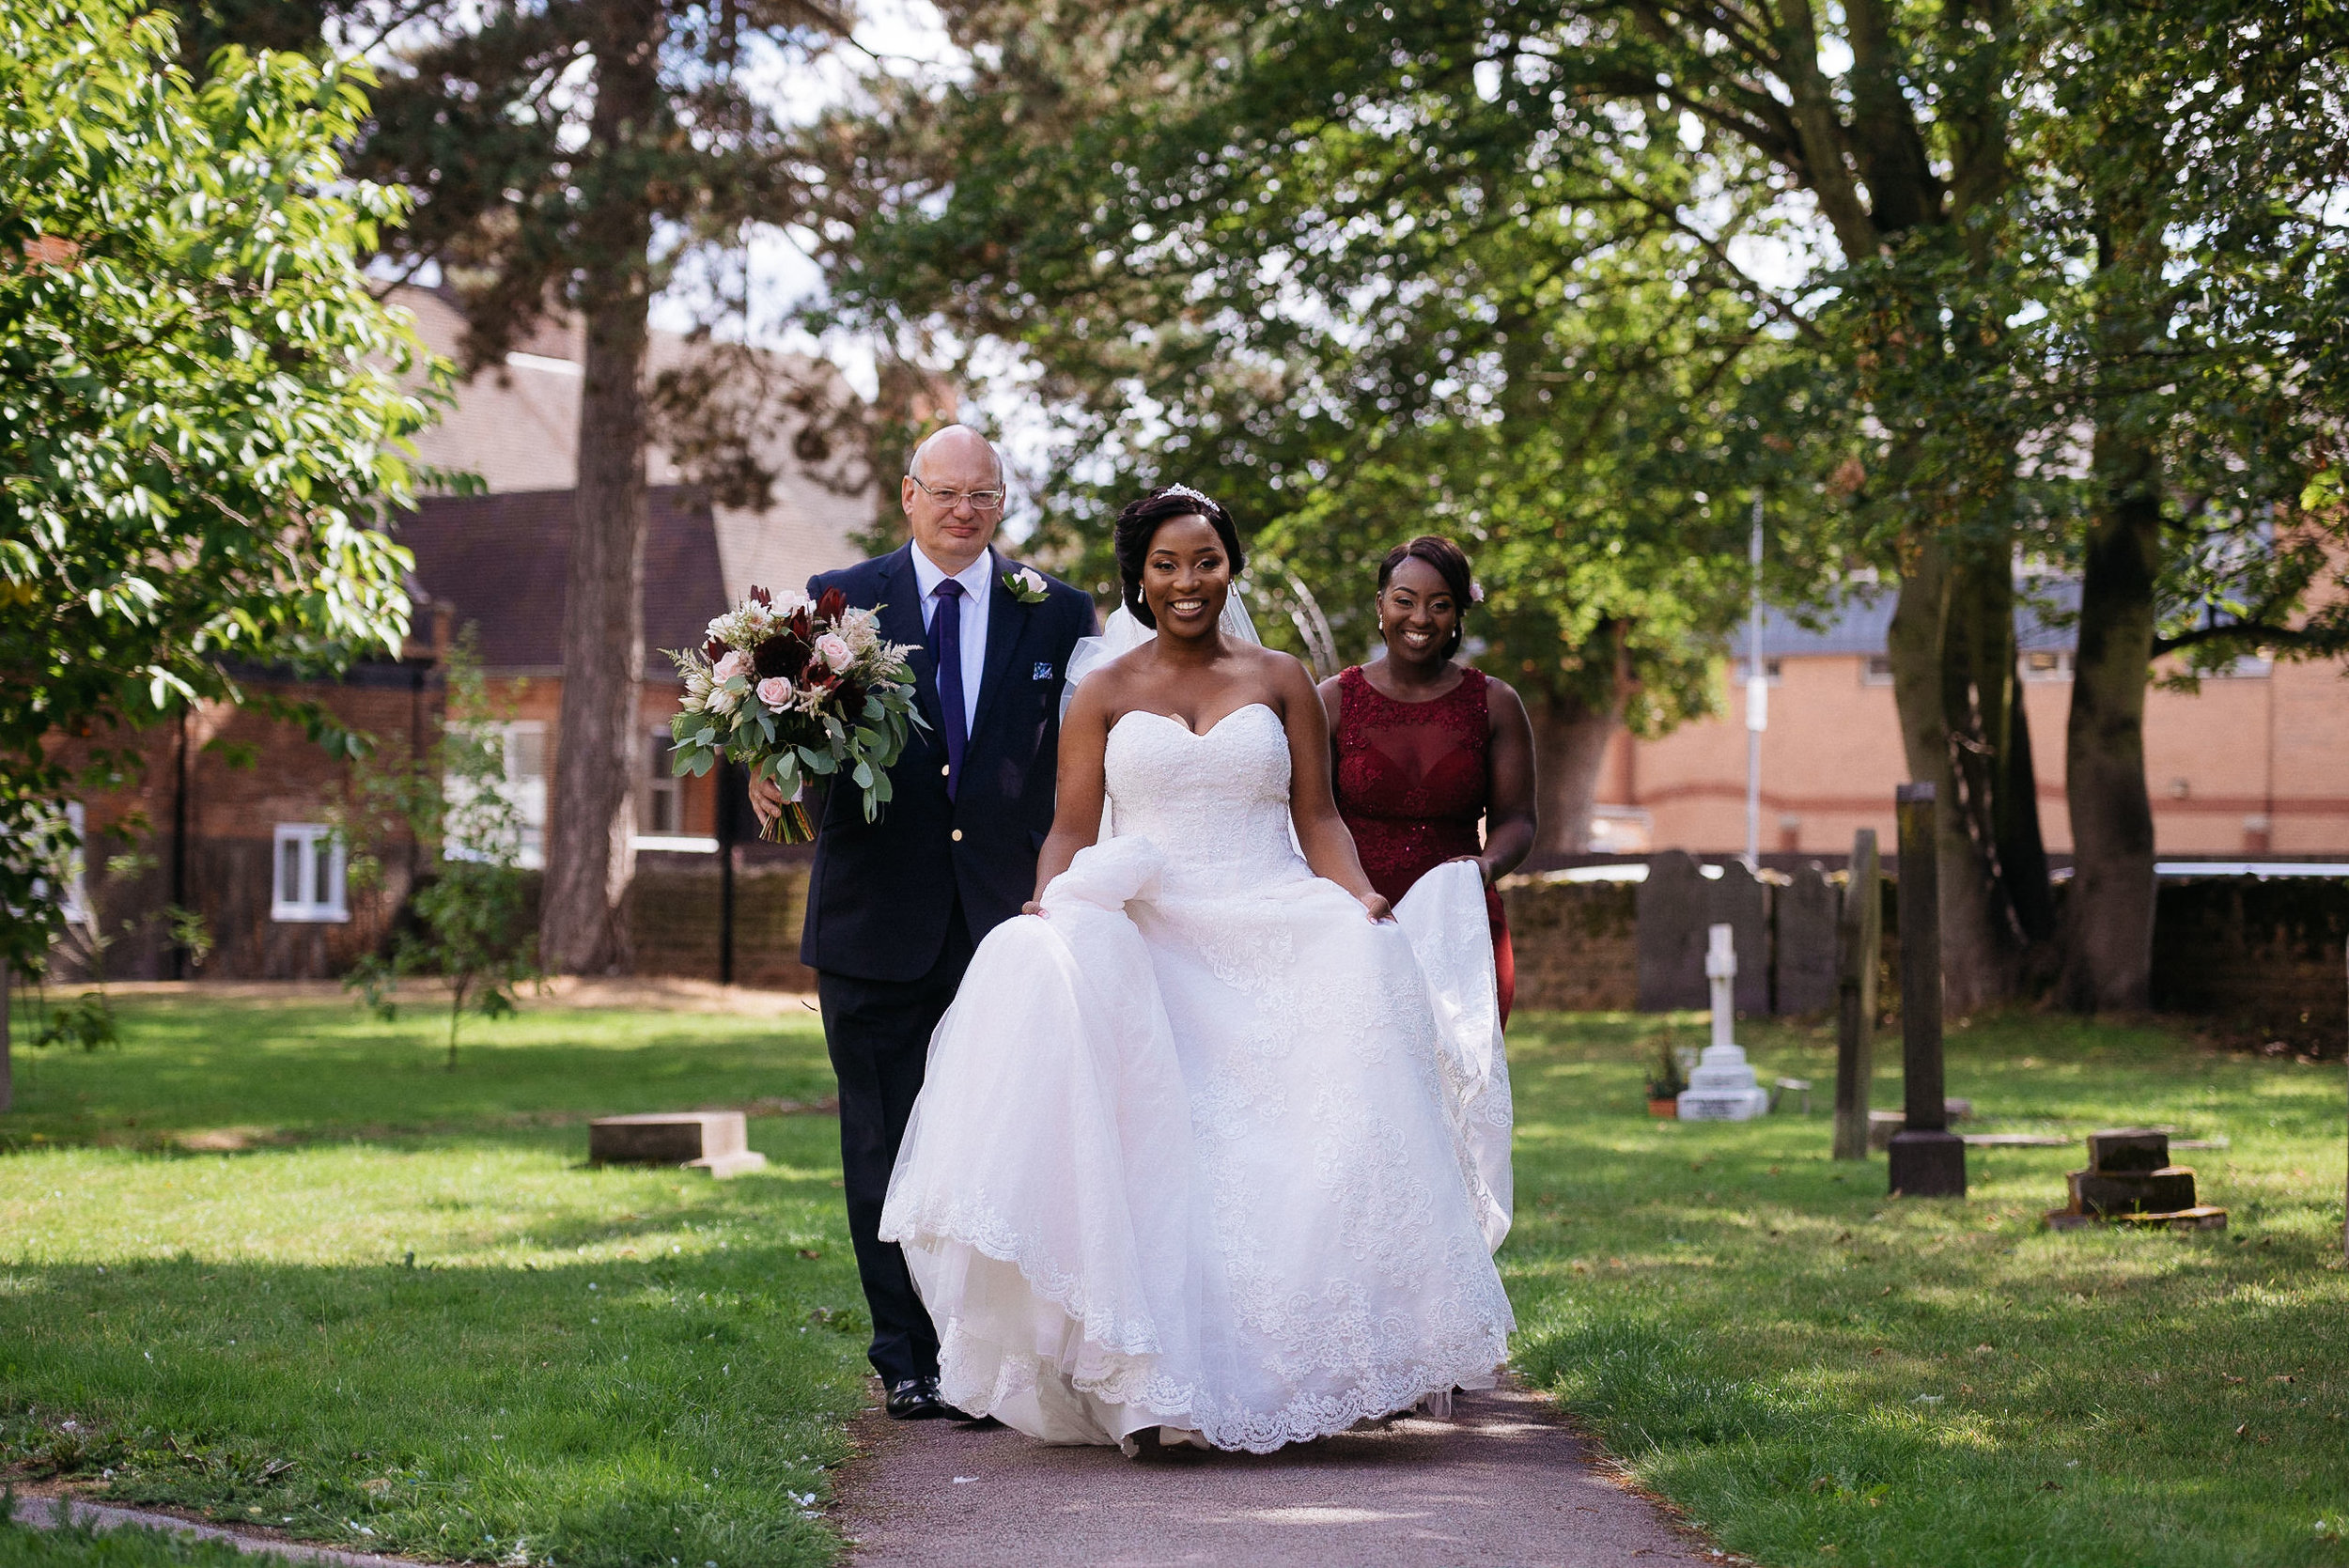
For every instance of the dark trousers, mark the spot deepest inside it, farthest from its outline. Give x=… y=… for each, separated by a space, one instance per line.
x=879 y=1035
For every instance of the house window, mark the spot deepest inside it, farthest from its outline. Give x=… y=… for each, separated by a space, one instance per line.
x=1772 y=670
x=665 y=807
x=1879 y=670
x=522 y=747
x=2046 y=664
x=307 y=884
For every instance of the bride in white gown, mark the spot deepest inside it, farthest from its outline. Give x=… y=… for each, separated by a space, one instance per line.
x=1212 y=1148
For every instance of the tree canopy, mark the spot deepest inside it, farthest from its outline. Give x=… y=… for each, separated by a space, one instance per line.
x=206 y=413
x=1951 y=285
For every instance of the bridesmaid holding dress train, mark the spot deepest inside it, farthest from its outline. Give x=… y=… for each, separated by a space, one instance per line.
x=1426 y=750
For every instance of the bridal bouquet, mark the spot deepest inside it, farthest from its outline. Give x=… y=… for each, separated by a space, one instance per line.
x=791 y=687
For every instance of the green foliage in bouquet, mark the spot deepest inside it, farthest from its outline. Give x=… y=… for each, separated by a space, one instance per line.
x=796 y=690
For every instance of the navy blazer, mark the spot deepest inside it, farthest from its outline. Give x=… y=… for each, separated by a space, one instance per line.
x=882 y=892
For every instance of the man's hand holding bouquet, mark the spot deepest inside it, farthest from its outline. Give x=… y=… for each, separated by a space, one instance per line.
x=794 y=689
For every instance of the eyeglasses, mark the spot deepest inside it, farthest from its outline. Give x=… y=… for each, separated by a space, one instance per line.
x=981 y=501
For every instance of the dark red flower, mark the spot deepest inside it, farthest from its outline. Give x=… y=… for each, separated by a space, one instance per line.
x=783 y=654
x=760 y=596
x=829 y=607
x=714 y=650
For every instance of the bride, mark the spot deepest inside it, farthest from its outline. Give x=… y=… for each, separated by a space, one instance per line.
x=1213 y=1147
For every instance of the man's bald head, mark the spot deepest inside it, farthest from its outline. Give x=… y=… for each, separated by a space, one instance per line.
x=955 y=444
x=957 y=463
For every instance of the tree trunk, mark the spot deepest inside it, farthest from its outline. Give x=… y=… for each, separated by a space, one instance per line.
x=1569 y=745
x=1942 y=626
x=1570 y=735
x=2109 y=912
x=589 y=858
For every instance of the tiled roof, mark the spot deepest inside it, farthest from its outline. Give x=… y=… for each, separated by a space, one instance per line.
x=515 y=426
x=1860 y=621
x=503 y=561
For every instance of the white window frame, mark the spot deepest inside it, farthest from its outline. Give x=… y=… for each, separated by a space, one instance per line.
x=660 y=785
x=305 y=902
x=1875 y=669
x=1773 y=670
x=527 y=791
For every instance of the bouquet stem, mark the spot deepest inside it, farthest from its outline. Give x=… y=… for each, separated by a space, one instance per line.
x=789 y=826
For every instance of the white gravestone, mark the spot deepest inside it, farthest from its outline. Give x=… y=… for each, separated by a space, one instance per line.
x=1723 y=1088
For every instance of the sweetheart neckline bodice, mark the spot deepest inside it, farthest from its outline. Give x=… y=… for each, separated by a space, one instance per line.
x=1214 y=801
x=1184 y=725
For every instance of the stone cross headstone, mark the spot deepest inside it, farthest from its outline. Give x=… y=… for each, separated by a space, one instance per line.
x=1803 y=915
x=1670 y=941
x=1738 y=899
x=1859 y=935
x=1723 y=1087
x=1927 y=1159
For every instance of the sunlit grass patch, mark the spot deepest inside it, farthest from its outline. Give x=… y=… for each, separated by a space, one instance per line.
x=410 y=1318
x=1820 y=1374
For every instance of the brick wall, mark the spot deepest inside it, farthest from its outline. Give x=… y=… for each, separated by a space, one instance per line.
x=2263 y=960
x=673 y=915
x=1576 y=944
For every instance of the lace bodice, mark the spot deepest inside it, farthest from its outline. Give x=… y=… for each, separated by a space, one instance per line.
x=1216 y=805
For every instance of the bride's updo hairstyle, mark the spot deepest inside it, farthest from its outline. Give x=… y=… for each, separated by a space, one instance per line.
x=1138 y=525
x=1451 y=564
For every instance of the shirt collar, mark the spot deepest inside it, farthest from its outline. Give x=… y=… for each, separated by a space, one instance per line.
x=928 y=574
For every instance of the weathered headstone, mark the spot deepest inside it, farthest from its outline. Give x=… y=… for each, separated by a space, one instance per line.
x=2129 y=1177
x=1803 y=914
x=713 y=1141
x=1927 y=1159
x=1723 y=1087
x=1857 y=932
x=1671 y=911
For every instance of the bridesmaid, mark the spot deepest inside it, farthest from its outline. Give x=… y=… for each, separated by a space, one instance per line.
x=1425 y=747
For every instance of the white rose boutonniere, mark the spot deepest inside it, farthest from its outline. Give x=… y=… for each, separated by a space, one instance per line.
x=1026 y=584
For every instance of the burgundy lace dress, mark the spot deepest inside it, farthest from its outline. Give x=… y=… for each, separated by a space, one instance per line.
x=1413 y=781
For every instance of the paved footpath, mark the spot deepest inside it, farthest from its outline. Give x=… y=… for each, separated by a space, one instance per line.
x=1505 y=1485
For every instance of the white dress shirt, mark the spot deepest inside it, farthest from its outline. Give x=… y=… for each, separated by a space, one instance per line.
x=978 y=591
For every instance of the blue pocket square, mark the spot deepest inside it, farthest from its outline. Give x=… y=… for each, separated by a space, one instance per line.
x=1043 y=672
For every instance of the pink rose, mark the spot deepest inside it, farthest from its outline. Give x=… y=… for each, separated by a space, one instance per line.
x=775 y=692
x=833 y=650
x=735 y=664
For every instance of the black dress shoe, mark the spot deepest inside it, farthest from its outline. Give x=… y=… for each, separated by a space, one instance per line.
x=916 y=1400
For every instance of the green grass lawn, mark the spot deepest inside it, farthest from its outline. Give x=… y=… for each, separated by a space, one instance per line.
x=22 y=1547
x=1820 y=1375
x=272 y=1262
x=395 y=1310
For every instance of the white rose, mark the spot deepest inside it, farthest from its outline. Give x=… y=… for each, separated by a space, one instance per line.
x=834 y=651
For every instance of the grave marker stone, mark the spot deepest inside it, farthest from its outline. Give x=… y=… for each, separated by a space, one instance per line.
x=1804 y=914
x=1723 y=1087
x=1927 y=1159
x=1671 y=911
x=1858 y=933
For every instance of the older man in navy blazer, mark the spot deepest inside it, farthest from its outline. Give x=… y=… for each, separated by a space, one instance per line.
x=895 y=906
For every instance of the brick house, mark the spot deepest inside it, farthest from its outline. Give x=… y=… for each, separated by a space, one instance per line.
x=237 y=806
x=2256 y=763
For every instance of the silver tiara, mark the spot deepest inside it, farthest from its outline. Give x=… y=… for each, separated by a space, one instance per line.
x=1185 y=490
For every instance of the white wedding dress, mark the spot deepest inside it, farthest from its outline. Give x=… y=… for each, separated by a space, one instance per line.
x=1204 y=1147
